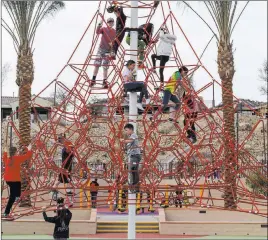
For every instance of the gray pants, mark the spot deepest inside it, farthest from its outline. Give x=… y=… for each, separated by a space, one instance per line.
x=133 y=168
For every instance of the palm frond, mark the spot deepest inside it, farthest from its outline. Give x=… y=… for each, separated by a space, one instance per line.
x=222 y=14
x=25 y=17
x=239 y=16
x=188 y=5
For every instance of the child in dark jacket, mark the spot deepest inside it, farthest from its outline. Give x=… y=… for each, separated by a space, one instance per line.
x=61 y=220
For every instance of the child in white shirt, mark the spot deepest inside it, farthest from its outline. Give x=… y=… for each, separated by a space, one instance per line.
x=130 y=84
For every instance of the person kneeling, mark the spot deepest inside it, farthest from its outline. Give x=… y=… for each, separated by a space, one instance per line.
x=130 y=85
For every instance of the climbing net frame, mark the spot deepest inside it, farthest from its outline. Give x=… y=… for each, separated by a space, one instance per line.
x=193 y=165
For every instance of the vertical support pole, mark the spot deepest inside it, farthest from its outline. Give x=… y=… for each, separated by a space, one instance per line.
x=132 y=117
x=151 y=202
x=138 y=202
x=120 y=200
x=89 y=205
x=81 y=192
x=166 y=196
x=55 y=90
x=213 y=101
x=10 y=139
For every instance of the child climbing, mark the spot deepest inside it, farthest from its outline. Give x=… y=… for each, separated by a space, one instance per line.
x=104 y=51
x=163 y=51
x=61 y=220
x=133 y=152
x=169 y=91
x=12 y=172
x=67 y=162
x=191 y=111
x=130 y=84
x=144 y=36
x=120 y=25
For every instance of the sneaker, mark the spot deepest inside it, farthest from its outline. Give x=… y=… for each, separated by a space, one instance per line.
x=7 y=217
x=105 y=84
x=139 y=106
x=93 y=82
x=148 y=101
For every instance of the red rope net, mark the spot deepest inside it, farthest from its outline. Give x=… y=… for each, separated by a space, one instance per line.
x=173 y=169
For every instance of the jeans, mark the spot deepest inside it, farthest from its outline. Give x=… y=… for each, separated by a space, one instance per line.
x=168 y=96
x=134 y=167
x=137 y=87
x=163 y=61
x=15 y=191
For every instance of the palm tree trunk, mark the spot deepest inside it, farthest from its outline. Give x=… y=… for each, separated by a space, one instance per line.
x=226 y=72
x=25 y=73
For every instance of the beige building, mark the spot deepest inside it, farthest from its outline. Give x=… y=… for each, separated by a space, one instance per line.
x=40 y=110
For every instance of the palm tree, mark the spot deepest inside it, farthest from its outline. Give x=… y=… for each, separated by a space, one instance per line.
x=24 y=19
x=223 y=15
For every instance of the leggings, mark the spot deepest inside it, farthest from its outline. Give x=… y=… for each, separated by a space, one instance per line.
x=163 y=61
x=137 y=87
x=15 y=191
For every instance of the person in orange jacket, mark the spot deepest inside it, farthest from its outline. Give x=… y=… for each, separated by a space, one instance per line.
x=12 y=177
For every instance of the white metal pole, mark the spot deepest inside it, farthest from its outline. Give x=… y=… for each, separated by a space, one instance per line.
x=133 y=116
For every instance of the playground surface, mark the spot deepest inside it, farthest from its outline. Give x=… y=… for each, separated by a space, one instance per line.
x=138 y=235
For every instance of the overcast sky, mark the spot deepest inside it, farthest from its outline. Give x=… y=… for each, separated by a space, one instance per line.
x=57 y=37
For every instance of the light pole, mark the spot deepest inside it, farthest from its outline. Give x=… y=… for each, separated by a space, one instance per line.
x=132 y=117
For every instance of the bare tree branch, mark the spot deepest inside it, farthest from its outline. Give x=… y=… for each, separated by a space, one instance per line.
x=263 y=77
x=6 y=68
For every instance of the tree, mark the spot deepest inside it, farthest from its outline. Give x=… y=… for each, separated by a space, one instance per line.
x=223 y=16
x=5 y=71
x=258 y=183
x=264 y=78
x=60 y=96
x=24 y=19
